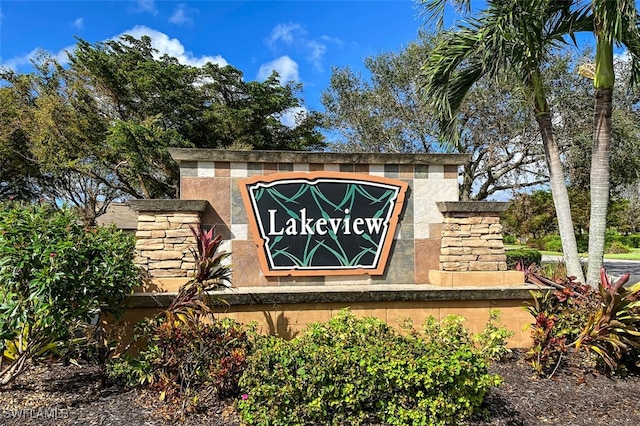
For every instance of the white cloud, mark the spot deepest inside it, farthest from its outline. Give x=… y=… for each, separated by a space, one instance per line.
x=160 y=41
x=316 y=53
x=294 y=35
x=25 y=60
x=15 y=63
x=286 y=67
x=146 y=6
x=290 y=116
x=78 y=23
x=334 y=40
x=624 y=56
x=173 y=47
x=181 y=16
x=62 y=57
x=287 y=33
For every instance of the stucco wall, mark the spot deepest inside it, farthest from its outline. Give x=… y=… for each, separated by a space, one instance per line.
x=213 y=175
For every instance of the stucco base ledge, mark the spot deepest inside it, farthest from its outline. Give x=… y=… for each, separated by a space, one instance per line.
x=341 y=294
x=476 y=278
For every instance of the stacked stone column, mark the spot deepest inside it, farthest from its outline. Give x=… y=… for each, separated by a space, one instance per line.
x=472 y=237
x=164 y=239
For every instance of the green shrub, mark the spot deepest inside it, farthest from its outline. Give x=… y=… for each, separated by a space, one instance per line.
x=510 y=239
x=526 y=256
x=617 y=247
x=553 y=243
x=351 y=371
x=492 y=341
x=632 y=240
x=55 y=275
x=582 y=241
x=536 y=243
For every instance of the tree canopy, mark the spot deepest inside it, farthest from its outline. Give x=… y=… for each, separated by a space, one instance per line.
x=99 y=127
x=385 y=112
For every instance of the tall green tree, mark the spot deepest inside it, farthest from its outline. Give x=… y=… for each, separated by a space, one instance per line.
x=615 y=22
x=19 y=175
x=514 y=36
x=99 y=128
x=384 y=113
x=531 y=215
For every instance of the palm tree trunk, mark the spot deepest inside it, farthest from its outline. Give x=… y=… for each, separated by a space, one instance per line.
x=603 y=82
x=599 y=182
x=560 y=197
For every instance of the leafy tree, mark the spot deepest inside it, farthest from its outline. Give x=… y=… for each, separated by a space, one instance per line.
x=492 y=119
x=630 y=222
x=386 y=114
x=531 y=215
x=515 y=36
x=18 y=175
x=99 y=128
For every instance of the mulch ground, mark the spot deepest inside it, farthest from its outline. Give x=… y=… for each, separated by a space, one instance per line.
x=59 y=395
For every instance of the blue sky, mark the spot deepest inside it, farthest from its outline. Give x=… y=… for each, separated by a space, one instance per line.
x=303 y=40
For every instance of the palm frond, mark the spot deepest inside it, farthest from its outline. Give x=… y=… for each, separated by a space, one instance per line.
x=510 y=36
x=434 y=10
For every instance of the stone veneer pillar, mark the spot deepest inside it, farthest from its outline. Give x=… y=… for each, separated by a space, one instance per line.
x=471 y=249
x=164 y=237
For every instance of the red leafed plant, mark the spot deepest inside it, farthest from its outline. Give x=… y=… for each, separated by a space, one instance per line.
x=209 y=267
x=192 y=358
x=559 y=317
x=604 y=322
x=210 y=274
x=613 y=330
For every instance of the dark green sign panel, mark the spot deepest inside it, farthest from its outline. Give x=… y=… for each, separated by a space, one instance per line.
x=323 y=223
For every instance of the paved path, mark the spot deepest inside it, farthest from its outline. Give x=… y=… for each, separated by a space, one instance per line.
x=614 y=267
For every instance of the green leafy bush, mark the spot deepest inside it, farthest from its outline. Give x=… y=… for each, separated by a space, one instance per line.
x=510 y=239
x=492 y=341
x=536 y=243
x=548 y=242
x=525 y=256
x=55 y=276
x=553 y=243
x=617 y=247
x=582 y=240
x=351 y=371
x=632 y=240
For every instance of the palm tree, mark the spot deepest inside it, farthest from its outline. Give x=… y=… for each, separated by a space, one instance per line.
x=614 y=22
x=514 y=37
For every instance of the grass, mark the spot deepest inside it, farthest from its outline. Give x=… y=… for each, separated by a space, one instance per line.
x=634 y=254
